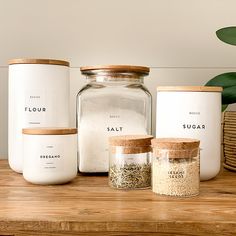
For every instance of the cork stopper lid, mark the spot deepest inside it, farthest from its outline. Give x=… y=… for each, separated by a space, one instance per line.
x=88 y=70
x=175 y=147
x=38 y=61
x=49 y=131
x=131 y=144
x=131 y=140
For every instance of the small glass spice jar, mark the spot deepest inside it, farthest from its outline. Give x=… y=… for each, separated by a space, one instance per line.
x=130 y=161
x=175 y=167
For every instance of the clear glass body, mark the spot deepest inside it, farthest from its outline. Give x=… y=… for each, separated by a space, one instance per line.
x=129 y=168
x=109 y=105
x=179 y=176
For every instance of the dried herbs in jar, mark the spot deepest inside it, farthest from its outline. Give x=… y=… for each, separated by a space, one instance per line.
x=130 y=162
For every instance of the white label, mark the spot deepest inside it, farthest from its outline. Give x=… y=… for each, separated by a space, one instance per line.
x=51 y=158
x=100 y=126
x=138 y=159
x=35 y=108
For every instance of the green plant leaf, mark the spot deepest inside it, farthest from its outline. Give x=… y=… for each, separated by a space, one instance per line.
x=229 y=95
x=228 y=82
x=223 y=80
x=227 y=35
x=224 y=107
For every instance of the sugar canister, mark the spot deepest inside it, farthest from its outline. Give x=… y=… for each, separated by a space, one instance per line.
x=192 y=112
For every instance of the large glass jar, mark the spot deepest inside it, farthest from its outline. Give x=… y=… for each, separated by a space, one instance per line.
x=114 y=102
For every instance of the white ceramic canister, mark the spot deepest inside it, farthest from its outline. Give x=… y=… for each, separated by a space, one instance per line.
x=193 y=112
x=49 y=155
x=38 y=97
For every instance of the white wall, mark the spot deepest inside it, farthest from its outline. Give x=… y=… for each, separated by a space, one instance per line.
x=176 y=38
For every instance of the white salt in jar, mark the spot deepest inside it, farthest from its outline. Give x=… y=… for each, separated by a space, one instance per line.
x=114 y=102
x=192 y=112
x=49 y=155
x=175 y=167
x=38 y=97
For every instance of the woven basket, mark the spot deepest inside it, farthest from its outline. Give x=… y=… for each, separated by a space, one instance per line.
x=229 y=140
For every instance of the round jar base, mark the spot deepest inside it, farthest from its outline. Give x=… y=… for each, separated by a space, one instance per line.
x=54 y=181
x=177 y=196
x=120 y=188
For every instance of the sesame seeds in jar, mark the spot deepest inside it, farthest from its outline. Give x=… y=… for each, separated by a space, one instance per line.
x=175 y=167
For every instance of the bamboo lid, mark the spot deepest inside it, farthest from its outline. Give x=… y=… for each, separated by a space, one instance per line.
x=175 y=147
x=131 y=140
x=86 y=70
x=189 y=89
x=49 y=131
x=38 y=61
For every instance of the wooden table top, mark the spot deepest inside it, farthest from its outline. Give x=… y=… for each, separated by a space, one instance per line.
x=87 y=206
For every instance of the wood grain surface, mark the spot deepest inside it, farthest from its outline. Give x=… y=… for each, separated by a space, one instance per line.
x=87 y=206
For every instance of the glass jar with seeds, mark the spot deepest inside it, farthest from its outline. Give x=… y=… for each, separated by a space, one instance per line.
x=130 y=162
x=175 y=167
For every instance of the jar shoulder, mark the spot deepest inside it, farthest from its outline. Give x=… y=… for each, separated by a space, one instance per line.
x=95 y=88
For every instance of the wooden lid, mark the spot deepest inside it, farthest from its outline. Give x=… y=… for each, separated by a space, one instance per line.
x=131 y=140
x=49 y=131
x=175 y=147
x=189 y=89
x=115 y=68
x=38 y=61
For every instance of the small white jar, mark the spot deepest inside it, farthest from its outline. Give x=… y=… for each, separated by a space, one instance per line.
x=49 y=155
